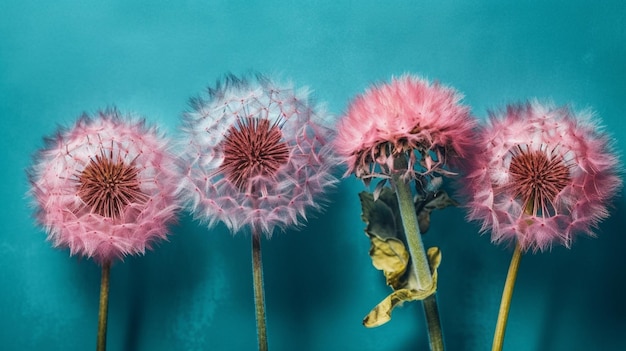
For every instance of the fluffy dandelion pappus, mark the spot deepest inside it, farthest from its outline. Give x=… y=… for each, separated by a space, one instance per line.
x=256 y=154
x=405 y=116
x=105 y=188
x=544 y=174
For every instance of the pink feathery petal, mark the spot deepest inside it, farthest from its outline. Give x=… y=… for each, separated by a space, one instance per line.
x=105 y=188
x=543 y=175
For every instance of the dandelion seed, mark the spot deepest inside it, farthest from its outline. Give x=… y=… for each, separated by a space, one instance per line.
x=106 y=187
x=543 y=174
x=256 y=154
x=422 y=121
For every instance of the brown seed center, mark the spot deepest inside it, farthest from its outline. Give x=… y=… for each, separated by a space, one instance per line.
x=537 y=178
x=107 y=186
x=252 y=148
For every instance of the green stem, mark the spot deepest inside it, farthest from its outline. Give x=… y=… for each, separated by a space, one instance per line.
x=435 y=334
x=104 y=307
x=420 y=266
x=507 y=294
x=259 y=300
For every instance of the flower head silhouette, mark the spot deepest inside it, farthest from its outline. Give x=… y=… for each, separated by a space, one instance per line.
x=256 y=154
x=543 y=174
x=105 y=188
x=405 y=116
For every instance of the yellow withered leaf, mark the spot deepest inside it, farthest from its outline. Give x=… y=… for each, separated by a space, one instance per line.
x=390 y=256
x=381 y=314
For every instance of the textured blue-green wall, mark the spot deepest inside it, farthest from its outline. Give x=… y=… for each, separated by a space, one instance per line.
x=60 y=58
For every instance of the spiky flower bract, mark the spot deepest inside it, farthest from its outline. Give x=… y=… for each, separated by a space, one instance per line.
x=543 y=174
x=256 y=154
x=105 y=188
x=411 y=116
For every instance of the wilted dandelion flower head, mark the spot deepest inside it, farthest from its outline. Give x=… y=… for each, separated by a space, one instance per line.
x=543 y=174
x=409 y=116
x=105 y=188
x=256 y=154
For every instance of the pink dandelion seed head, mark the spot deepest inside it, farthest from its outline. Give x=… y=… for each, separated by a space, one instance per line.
x=543 y=174
x=256 y=154
x=408 y=115
x=106 y=187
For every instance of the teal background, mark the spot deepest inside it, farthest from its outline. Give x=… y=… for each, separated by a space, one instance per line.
x=60 y=58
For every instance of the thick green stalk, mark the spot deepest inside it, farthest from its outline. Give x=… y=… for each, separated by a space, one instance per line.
x=435 y=333
x=420 y=266
x=103 y=310
x=507 y=294
x=259 y=299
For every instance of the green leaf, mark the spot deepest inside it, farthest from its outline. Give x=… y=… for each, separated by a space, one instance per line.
x=425 y=204
x=382 y=216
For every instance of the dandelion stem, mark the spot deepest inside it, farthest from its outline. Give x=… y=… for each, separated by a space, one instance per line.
x=435 y=333
x=420 y=264
x=412 y=232
x=507 y=294
x=259 y=299
x=104 y=307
